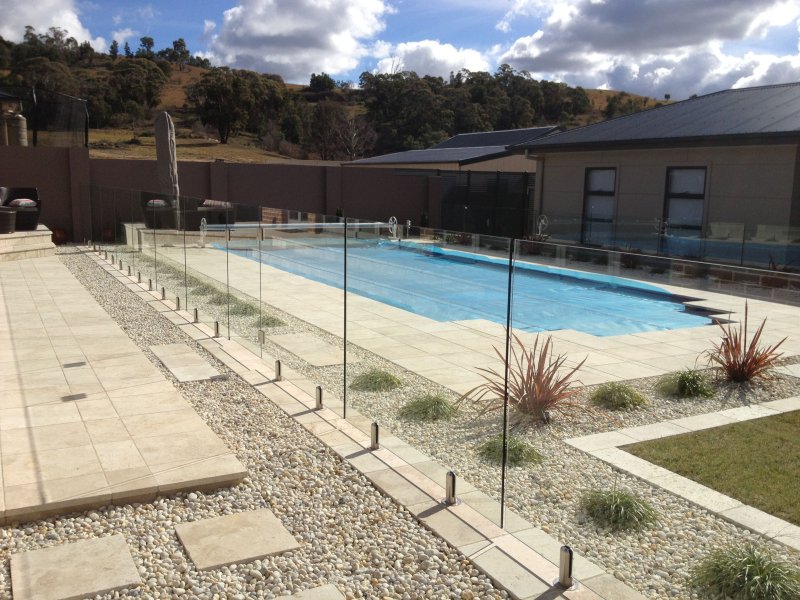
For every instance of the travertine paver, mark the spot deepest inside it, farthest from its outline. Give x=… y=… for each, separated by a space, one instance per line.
x=237 y=538
x=324 y=592
x=76 y=570
x=310 y=348
x=86 y=418
x=513 y=576
x=184 y=363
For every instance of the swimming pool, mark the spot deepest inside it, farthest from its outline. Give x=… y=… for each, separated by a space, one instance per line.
x=448 y=285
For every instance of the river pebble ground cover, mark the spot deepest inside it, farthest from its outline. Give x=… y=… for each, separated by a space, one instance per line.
x=656 y=560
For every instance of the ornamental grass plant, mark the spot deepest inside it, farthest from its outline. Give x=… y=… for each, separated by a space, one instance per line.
x=520 y=452
x=618 y=509
x=741 y=360
x=428 y=408
x=375 y=380
x=539 y=383
x=689 y=383
x=747 y=572
x=617 y=396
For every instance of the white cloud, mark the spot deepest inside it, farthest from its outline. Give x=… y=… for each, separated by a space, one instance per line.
x=430 y=57
x=43 y=14
x=123 y=35
x=654 y=47
x=208 y=27
x=297 y=37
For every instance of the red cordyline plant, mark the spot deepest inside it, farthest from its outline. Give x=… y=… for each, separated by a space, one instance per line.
x=538 y=383
x=739 y=359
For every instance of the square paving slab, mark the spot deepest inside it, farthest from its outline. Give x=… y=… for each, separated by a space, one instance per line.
x=77 y=570
x=184 y=363
x=238 y=538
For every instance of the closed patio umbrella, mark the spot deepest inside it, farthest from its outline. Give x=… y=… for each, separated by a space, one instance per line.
x=167 y=161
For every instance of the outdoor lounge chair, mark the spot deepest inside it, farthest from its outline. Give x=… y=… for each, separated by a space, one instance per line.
x=25 y=202
x=215 y=212
x=159 y=210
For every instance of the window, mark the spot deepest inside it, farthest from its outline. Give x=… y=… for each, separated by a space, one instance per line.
x=598 y=206
x=685 y=201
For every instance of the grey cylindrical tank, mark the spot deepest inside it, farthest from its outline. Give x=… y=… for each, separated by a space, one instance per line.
x=17 y=130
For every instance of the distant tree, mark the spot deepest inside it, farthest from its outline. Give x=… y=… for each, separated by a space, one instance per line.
x=321 y=83
x=180 y=53
x=223 y=99
x=86 y=53
x=405 y=111
x=127 y=50
x=47 y=76
x=113 y=50
x=145 y=50
x=667 y=97
x=137 y=80
x=199 y=61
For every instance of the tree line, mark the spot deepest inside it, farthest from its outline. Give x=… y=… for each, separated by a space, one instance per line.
x=331 y=120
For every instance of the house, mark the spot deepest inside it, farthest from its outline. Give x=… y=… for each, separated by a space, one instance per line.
x=712 y=177
x=482 y=151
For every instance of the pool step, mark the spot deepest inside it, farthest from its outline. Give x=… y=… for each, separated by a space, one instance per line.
x=26 y=244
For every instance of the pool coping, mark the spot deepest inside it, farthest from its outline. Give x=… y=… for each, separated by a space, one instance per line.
x=607 y=447
x=514 y=565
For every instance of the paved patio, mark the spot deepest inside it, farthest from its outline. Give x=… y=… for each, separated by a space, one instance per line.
x=85 y=418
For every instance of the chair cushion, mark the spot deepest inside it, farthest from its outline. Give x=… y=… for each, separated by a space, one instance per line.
x=216 y=204
x=157 y=203
x=26 y=202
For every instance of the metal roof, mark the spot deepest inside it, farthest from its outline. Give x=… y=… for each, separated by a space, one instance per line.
x=506 y=137
x=729 y=115
x=436 y=155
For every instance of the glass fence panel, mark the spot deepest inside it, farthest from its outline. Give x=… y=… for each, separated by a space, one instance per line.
x=300 y=259
x=206 y=279
x=426 y=309
x=244 y=308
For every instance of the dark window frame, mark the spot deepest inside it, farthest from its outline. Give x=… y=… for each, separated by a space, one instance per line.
x=685 y=195
x=589 y=192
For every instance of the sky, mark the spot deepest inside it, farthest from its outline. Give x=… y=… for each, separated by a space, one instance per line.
x=648 y=47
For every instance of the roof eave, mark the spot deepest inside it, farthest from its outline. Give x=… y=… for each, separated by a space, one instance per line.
x=789 y=137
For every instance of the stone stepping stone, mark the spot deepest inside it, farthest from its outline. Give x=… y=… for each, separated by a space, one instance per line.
x=238 y=538
x=184 y=363
x=72 y=571
x=324 y=592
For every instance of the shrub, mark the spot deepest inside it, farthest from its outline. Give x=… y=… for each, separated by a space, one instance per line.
x=686 y=384
x=618 y=509
x=242 y=309
x=617 y=396
x=266 y=321
x=429 y=408
x=520 y=452
x=538 y=383
x=746 y=572
x=739 y=359
x=375 y=380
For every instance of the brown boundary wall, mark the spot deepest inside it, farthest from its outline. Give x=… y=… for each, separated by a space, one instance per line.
x=64 y=175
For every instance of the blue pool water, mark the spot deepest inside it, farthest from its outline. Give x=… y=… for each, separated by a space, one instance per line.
x=448 y=285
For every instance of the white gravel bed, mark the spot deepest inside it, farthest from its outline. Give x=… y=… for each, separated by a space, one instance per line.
x=351 y=535
x=655 y=561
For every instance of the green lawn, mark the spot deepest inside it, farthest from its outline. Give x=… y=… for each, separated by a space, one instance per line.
x=757 y=462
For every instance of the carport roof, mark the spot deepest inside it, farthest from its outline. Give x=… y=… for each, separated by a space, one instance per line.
x=463 y=149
